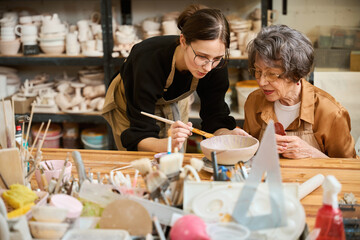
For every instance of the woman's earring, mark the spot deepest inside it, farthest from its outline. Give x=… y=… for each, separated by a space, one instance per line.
x=298 y=83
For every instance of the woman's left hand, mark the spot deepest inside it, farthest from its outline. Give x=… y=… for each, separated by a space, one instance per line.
x=235 y=131
x=295 y=147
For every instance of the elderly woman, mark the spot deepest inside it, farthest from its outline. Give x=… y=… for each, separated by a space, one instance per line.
x=316 y=125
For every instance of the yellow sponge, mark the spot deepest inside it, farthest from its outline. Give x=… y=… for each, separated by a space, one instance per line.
x=19 y=195
x=20 y=211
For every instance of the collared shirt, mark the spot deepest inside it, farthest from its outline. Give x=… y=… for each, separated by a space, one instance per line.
x=330 y=121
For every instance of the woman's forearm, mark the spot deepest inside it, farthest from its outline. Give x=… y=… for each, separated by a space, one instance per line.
x=153 y=144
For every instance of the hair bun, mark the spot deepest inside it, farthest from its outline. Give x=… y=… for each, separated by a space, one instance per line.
x=187 y=13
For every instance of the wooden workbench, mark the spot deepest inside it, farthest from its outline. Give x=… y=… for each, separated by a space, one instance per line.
x=347 y=171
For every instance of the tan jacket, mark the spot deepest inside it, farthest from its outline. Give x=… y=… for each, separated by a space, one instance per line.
x=330 y=121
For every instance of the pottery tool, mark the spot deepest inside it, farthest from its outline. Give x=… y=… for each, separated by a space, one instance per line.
x=29 y=126
x=169 y=142
x=265 y=160
x=143 y=165
x=170 y=164
x=215 y=165
x=197 y=164
x=126 y=214
x=11 y=166
x=194 y=130
x=4 y=182
x=158 y=228
x=36 y=138
x=59 y=181
x=44 y=182
x=79 y=167
x=164 y=213
x=45 y=133
x=279 y=129
x=156 y=183
x=310 y=185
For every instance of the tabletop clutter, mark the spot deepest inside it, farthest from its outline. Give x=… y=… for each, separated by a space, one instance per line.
x=157 y=198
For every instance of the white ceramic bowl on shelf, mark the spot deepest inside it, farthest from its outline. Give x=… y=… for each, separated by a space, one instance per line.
x=48 y=49
x=230 y=149
x=9 y=47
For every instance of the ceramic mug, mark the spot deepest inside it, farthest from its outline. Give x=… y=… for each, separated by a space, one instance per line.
x=26 y=30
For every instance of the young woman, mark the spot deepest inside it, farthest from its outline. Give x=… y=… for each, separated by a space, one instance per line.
x=158 y=76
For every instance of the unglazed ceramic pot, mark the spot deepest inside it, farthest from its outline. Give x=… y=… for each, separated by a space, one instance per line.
x=230 y=149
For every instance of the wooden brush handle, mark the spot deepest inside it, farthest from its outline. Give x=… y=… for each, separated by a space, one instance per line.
x=202 y=133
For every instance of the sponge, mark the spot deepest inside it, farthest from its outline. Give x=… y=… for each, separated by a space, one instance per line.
x=18 y=196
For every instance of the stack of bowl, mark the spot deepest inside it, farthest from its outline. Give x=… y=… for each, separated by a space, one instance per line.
x=52 y=35
x=9 y=44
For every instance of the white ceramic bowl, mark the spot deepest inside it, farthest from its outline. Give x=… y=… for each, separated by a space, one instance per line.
x=230 y=149
x=10 y=47
x=45 y=230
x=52 y=49
x=49 y=214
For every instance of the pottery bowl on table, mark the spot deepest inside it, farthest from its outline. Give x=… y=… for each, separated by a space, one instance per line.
x=49 y=214
x=47 y=230
x=230 y=149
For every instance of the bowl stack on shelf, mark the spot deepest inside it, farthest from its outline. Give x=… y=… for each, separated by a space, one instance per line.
x=9 y=44
x=52 y=35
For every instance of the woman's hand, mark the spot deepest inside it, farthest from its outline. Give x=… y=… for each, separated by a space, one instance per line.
x=235 y=131
x=295 y=147
x=179 y=133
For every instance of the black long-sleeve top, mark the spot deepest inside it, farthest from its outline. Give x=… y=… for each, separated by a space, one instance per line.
x=145 y=73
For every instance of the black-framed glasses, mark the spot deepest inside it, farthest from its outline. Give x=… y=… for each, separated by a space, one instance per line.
x=269 y=76
x=202 y=61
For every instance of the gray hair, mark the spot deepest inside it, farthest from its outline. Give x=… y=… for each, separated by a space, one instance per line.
x=289 y=46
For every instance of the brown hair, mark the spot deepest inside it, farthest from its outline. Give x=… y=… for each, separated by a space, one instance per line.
x=198 y=22
x=282 y=43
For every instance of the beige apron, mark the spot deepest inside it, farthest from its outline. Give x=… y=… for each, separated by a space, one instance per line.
x=304 y=132
x=114 y=110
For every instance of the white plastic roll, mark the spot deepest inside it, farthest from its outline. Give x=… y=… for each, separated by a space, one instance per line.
x=310 y=185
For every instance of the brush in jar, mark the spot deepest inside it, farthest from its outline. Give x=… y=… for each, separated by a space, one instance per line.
x=156 y=184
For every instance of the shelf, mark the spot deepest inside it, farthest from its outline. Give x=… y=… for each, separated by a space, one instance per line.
x=50 y=60
x=61 y=117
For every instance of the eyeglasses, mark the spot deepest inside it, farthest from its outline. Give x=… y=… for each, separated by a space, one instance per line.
x=269 y=76
x=202 y=61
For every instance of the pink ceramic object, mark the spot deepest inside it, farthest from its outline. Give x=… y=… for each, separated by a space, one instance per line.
x=53 y=173
x=65 y=201
x=189 y=227
x=230 y=149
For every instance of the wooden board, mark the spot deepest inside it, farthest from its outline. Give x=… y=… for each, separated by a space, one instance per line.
x=11 y=166
x=9 y=127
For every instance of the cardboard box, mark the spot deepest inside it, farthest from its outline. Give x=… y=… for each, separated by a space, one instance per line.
x=355 y=61
x=23 y=106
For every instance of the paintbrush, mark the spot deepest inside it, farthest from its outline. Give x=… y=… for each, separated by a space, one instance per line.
x=61 y=176
x=156 y=184
x=36 y=138
x=194 y=130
